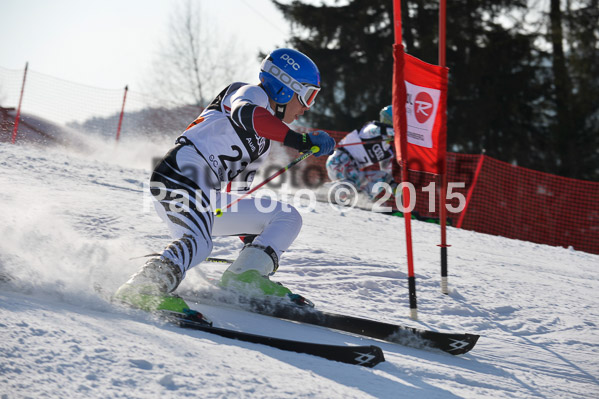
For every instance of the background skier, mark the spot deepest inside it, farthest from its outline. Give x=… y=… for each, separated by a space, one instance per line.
x=347 y=162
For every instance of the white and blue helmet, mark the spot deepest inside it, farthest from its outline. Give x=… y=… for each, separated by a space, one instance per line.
x=286 y=71
x=386 y=115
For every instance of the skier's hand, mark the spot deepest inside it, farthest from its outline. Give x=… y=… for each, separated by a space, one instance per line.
x=325 y=142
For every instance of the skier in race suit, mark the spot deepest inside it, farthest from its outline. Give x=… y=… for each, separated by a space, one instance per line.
x=347 y=162
x=217 y=154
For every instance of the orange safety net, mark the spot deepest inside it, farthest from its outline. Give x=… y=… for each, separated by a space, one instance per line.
x=524 y=204
x=510 y=201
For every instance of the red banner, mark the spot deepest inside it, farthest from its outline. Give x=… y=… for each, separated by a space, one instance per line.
x=424 y=90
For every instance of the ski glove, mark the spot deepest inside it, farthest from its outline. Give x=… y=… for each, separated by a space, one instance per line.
x=322 y=140
x=303 y=142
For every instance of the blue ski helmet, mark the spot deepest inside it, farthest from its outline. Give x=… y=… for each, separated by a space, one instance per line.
x=386 y=115
x=286 y=71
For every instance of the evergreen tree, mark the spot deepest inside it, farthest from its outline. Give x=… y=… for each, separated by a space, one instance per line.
x=574 y=34
x=507 y=95
x=496 y=95
x=351 y=44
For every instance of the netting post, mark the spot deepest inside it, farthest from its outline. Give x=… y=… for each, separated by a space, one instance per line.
x=18 y=117
x=471 y=190
x=118 y=130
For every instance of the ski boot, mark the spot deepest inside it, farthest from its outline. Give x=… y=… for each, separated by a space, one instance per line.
x=250 y=272
x=150 y=288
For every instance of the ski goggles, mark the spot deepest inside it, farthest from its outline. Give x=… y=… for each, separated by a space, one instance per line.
x=305 y=93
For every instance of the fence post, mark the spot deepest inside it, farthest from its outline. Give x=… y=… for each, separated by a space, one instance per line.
x=471 y=189
x=118 y=130
x=18 y=117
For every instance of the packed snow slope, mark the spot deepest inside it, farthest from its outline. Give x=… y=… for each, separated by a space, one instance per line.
x=72 y=221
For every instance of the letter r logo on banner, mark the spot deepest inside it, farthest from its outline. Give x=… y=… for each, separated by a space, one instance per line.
x=423 y=106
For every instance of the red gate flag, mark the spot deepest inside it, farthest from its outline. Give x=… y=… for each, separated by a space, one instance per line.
x=425 y=112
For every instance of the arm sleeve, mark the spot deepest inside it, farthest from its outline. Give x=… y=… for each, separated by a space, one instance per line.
x=250 y=111
x=256 y=119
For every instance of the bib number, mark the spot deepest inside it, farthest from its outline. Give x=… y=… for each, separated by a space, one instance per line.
x=229 y=161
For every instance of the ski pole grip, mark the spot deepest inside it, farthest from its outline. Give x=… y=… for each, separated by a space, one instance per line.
x=314 y=149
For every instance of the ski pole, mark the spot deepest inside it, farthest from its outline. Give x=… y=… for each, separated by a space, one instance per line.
x=219 y=212
x=364 y=142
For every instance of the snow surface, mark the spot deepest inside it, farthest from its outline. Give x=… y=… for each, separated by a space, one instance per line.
x=69 y=221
